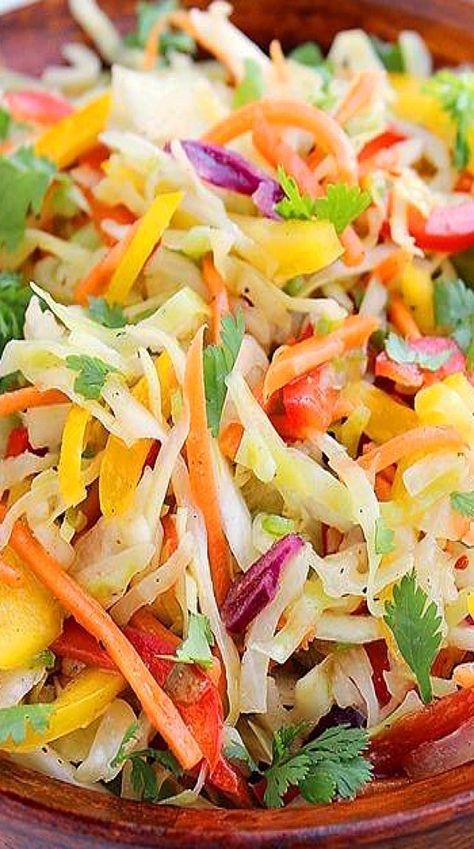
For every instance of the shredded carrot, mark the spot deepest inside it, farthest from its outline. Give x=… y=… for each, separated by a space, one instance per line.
x=382 y=488
x=425 y=439
x=218 y=292
x=201 y=472
x=96 y=281
x=402 y=319
x=354 y=249
x=295 y=360
x=9 y=575
x=292 y=113
x=315 y=158
x=152 y=46
x=230 y=438
x=88 y=612
x=279 y=61
x=22 y=399
x=391 y=267
x=358 y=97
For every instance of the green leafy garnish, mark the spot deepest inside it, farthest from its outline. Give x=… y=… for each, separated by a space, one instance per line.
x=196 y=647
x=342 y=204
x=277 y=526
x=5 y=123
x=455 y=92
x=218 y=362
x=309 y=53
x=143 y=776
x=24 y=180
x=454 y=310
x=329 y=767
x=92 y=374
x=11 y=381
x=45 y=658
x=401 y=352
x=147 y=16
x=463 y=503
x=389 y=53
x=14 y=299
x=14 y=721
x=384 y=537
x=109 y=315
x=251 y=87
x=235 y=751
x=416 y=626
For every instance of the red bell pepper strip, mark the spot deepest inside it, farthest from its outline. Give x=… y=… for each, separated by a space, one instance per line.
x=228 y=780
x=309 y=404
x=381 y=142
x=37 y=107
x=389 y=750
x=17 y=442
x=413 y=375
x=448 y=229
x=75 y=643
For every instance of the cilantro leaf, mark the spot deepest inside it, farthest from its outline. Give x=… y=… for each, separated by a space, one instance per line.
x=11 y=381
x=401 y=352
x=454 y=309
x=45 y=658
x=24 y=180
x=129 y=737
x=196 y=647
x=109 y=315
x=294 y=205
x=92 y=375
x=342 y=205
x=143 y=776
x=384 y=537
x=455 y=92
x=389 y=53
x=463 y=503
x=218 y=362
x=416 y=626
x=14 y=299
x=5 y=123
x=328 y=767
x=251 y=87
x=309 y=53
x=148 y=14
x=14 y=721
x=235 y=751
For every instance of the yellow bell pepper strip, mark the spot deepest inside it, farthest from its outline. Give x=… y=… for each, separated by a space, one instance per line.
x=122 y=465
x=387 y=417
x=149 y=231
x=81 y=702
x=417 y=292
x=285 y=249
x=157 y=705
x=75 y=134
x=30 y=618
x=71 y=483
x=450 y=402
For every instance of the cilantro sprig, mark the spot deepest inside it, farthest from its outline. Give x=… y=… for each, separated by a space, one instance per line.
x=14 y=721
x=109 y=315
x=92 y=374
x=454 y=310
x=142 y=775
x=148 y=14
x=341 y=205
x=14 y=299
x=5 y=123
x=463 y=503
x=416 y=625
x=329 y=767
x=196 y=648
x=389 y=53
x=24 y=180
x=401 y=352
x=218 y=362
x=455 y=92
x=251 y=86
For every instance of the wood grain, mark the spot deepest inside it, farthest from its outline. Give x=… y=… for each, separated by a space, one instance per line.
x=40 y=813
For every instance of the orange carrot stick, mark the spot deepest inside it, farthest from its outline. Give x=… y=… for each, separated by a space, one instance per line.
x=402 y=319
x=358 y=97
x=295 y=360
x=30 y=396
x=292 y=113
x=421 y=438
x=218 y=292
x=9 y=575
x=201 y=472
x=95 y=282
x=152 y=46
x=230 y=438
x=391 y=267
x=88 y=612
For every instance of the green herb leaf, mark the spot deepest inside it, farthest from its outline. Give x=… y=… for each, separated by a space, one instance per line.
x=294 y=205
x=45 y=658
x=389 y=53
x=453 y=302
x=235 y=751
x=342 y=205
x=14 y=721
x=143 y=776
x=401 y=352
x=463 y=503
x=92 y=375
x=109 y=315
x=251 y=87
x=416 y=626
x=11 y=381
x=5 y=123
x=147 y=16
x=331 y=766
x=309 y=53
x=455 y=92
x=129 y=737
x=14 y=299
x=384 y=537
x=218 y=362
x=24 y=180
x=196 y=646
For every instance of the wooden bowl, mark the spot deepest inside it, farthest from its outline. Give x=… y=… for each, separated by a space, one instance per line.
x=40 y=813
